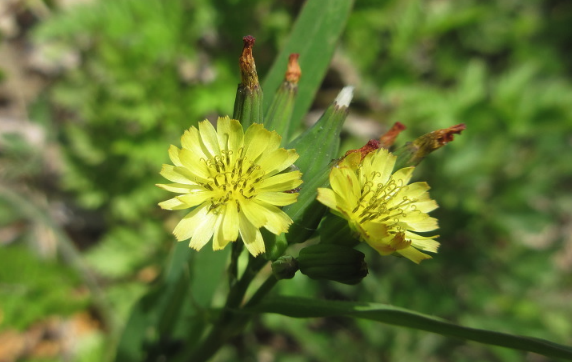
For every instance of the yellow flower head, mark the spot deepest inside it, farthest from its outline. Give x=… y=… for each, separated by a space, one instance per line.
x=234 y=182
x=381 y=207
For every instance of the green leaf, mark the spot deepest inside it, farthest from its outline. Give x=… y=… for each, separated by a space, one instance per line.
x=311 y=308
x=314 y=37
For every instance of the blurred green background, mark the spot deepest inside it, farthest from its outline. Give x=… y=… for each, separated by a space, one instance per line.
x=93 y=92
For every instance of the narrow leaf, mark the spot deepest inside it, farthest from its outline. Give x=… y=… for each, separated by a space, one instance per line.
x=308 y=308
x=314 y=37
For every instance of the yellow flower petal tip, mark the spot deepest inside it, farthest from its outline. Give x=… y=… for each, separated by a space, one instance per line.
x=381 y=206
x=234 y=183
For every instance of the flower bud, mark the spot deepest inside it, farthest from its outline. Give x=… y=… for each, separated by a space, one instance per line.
x=333 y=262
x=335 y=230
x=316 y=147
x=285 y=267
x=279 y=116
x=248 y=102
x=412 y=153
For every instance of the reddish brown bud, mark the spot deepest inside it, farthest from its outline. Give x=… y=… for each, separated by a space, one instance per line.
x=414 y=152
x=293 y=73
x=370 y=146
x=249 y=77
x=444 y=136
x=388 y=138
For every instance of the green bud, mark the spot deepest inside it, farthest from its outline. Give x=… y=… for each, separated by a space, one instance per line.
x=285 y=267
x=317 y=147
x=412 y=153
x=275 y=245
x=333 y=262
x=335 y=230
x=279 y=116
x=248 y=101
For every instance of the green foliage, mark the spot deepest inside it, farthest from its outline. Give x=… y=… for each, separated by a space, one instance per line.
x=149 y=69
x=53 y=288
x=500 y=187
x=122 y=250
x=130 y=97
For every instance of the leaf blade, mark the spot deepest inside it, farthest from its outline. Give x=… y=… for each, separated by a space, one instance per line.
x=310 y=308
x=314 y=37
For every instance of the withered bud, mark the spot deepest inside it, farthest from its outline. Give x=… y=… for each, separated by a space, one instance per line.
x=293 y=72
x=437 y=139
x=388 y=138
x=370 y=146
x=414 y=152
x=249 y=77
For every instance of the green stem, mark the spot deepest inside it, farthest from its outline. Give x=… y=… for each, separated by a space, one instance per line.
x=268 y=284
x=225 y=327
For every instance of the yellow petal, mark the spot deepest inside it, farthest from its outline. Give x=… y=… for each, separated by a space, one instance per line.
x=277 y=198
x=261 y=214
x=173 y=204
x=230 y=222
x=422 y=242
x=345 y=184
x=381 y=162
x=195 y=198
x=416 y=189
x=339 y=182
x=179 y=188
x=186 y=227
x=277 y=160
x=196 y=166
x=209 y=138
x=256 y=141
x=274 y=140
x=426 y=206
x=281 y=182
x=204 y=231
x=253 y=213
x=419 y=222
x=219 y=239
x=174 y=155
x=230 y=134
x=332 y=200
x=278 y=221
x=251 y=236
x=191 y=140
x=413 y=254
x=177 y=174
x=351 y=161
x=381 y=247
x=402 y=177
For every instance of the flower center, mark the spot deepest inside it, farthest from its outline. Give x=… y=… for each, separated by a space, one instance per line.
x=232 y=178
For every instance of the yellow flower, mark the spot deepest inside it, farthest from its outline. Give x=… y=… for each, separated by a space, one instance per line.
x=234 y=182
x=382 y=208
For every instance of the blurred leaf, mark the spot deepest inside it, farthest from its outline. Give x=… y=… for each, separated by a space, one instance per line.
x=125 y=249
x=23 y=277
x=173 y=314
